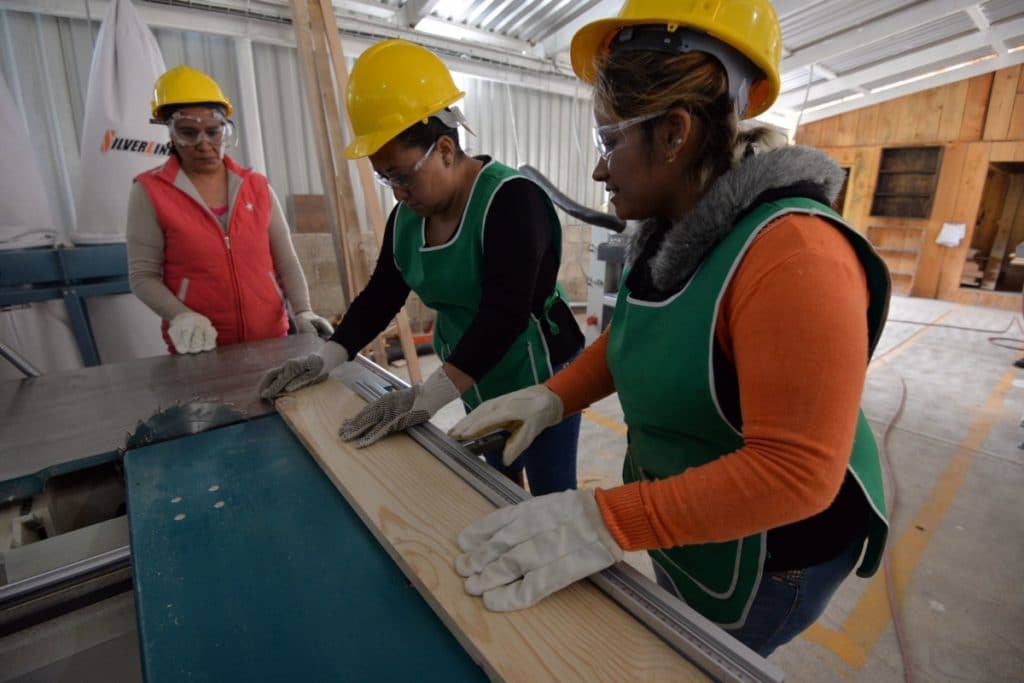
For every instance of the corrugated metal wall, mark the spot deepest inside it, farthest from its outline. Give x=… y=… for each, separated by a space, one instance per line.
x=46 y=60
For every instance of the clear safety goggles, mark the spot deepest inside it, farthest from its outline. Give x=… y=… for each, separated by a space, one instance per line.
x=606 y=137
x=403 y=180
x=189 y=131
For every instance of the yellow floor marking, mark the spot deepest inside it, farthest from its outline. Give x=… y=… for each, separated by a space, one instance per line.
x=898 y=350
x=606 y=422
x=870 y=616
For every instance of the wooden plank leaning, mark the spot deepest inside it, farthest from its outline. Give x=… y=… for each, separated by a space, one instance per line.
x=324 y=77
x=366 y=182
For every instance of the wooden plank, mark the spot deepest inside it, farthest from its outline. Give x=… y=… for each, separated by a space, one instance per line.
x=907 y=111
x=1015 y=131
x=888 y=113
x=1000 y=109
x=335 y=142
x=807 y=134
x=1007 y=216
x=301 y=22
x=976 y=107
x=416 y=506
x=846 y=129
x=993 y=197
x=868 y=122
x=340 y=177
x=952 y=103
x=370 y=199
x=965 y=210
x=926 y=280
x=828 y=132
x=1008 y=151
x=928 y=116
x=862 y=186
x=309 y=213
x=862 y=163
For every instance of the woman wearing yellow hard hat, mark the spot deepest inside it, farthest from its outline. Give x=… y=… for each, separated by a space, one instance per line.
x=478 y=242
x=738 y=347
x=209 y=249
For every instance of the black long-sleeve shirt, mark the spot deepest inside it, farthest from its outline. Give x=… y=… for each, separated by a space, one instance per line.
x=520 y=267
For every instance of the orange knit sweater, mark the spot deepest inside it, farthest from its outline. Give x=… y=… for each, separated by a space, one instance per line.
x=793 y=321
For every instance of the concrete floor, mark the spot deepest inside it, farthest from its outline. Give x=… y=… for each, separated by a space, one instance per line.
x=946 y=406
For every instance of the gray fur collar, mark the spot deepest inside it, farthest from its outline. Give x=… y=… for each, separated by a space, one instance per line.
x=688 y=242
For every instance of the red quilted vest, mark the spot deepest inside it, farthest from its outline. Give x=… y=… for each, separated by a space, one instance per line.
x=228 y=278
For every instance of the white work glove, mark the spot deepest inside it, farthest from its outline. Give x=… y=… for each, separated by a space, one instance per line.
x=302 y=372
x=398 y=410
x=524 y=414
x=191 y=333
x=309 y=322
x=518 y=555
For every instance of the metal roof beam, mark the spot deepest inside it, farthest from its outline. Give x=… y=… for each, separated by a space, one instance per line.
x=558 y=20
x=981 y=21
x=415 y=10
x=359 y=34
x=559 y=40
x=873 y=31
x=855 y=79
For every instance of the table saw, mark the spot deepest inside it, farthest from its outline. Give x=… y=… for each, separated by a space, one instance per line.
x=223 y=578
x=244 y=561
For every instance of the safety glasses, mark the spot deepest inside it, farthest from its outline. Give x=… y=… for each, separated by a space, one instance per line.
x=608 y=136
x=403 y=180
x=189 y=131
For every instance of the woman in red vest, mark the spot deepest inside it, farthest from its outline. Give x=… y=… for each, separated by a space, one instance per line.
x=209 y=249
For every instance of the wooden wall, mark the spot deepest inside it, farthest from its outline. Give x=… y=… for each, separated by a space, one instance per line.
x=977 y=121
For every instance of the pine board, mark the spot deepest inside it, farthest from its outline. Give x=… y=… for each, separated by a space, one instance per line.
x=416 y=506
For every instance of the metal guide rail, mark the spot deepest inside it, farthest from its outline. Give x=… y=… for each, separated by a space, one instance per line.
x=692 y=635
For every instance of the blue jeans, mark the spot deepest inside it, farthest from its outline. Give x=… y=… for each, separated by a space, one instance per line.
x=786 y=602
x=550 y=461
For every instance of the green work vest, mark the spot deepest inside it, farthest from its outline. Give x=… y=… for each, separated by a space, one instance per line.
x=449 y=279
x=675 y=421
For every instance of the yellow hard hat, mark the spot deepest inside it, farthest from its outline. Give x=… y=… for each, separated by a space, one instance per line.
x=185 y=85
x=748 y=26
x=393 y=85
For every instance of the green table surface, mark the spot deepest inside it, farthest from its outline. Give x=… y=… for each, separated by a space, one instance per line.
x=250 y=566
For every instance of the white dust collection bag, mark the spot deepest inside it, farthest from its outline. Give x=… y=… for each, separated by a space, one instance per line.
x=118 y=143
x=25 y=217
x=39 y=332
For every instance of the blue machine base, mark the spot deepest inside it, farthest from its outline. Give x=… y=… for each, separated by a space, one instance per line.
x=250 y=566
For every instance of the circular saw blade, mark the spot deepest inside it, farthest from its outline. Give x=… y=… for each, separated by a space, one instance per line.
x=182 y=419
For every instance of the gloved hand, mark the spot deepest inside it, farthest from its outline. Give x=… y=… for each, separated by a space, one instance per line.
x=309 y=322
x=398 y=410
x=191 y=332
x=518 y=555
x=524 y=414
x=302 y=372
